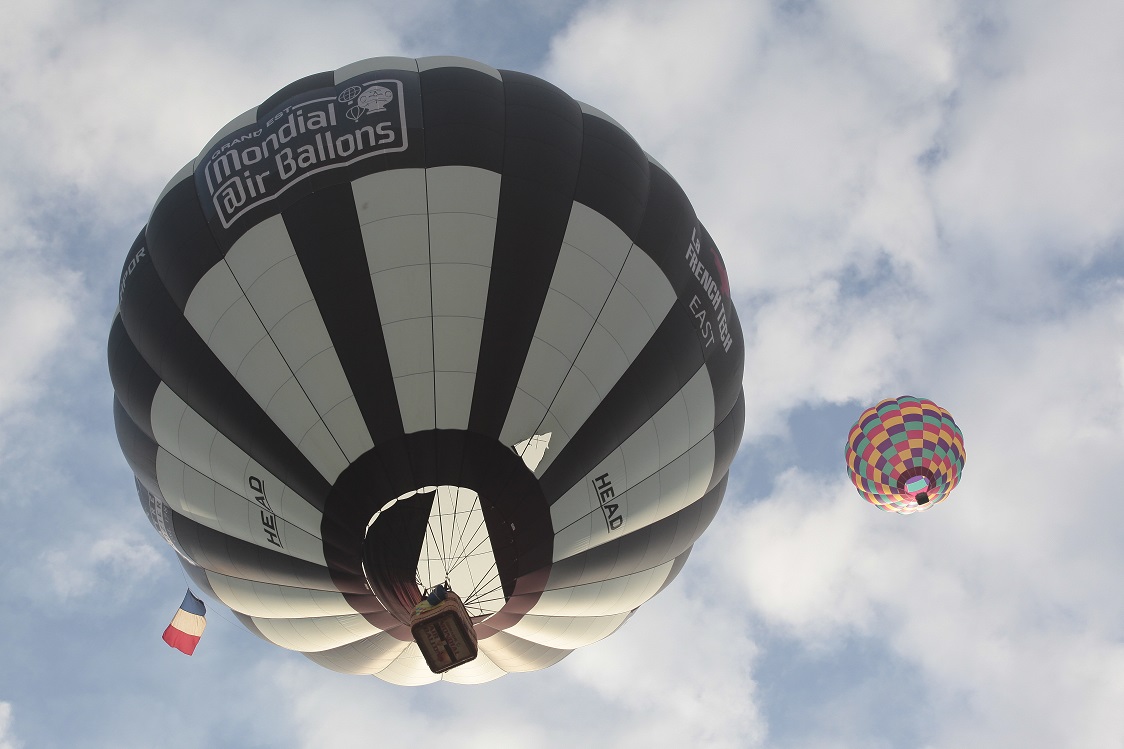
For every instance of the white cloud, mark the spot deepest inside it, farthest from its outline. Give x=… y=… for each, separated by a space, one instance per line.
x=37 y=312
x=108 y=566
x=8 y=738
x=1003 y=596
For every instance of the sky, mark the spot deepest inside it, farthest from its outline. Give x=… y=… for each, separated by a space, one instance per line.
x=921 y=197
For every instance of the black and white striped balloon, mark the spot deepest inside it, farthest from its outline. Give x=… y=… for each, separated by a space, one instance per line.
x=423 y=320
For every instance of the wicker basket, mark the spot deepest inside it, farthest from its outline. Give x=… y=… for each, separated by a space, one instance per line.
x=444 y=634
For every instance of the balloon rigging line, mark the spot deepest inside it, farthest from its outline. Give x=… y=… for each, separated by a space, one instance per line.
x=464 y=526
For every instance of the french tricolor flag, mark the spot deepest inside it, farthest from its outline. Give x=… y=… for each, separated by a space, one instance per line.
x=187 y=627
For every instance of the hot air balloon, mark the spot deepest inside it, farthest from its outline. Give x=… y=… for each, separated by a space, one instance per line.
x=905 y=454
x=423 y=324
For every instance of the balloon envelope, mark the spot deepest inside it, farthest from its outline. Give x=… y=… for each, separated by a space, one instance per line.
x=418 y=321
x=905 y=454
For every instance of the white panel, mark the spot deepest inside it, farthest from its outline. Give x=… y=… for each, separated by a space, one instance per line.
x=576 y=400
x=367 y=656
x=463 y=189
x=641 y=453
x=279 y=290
x=602 y=360
x=648 y=284
x=408 y=669
x=315 y=634
x=680 y=483
x=237 y=331
x=374 y=64
x=324 y=382
x=409 y=346
x=456 y=343
x=563 y=325
x=259 y=249
x=415 y=400
x=654 y=473
x=583 y=499
x=322 y=451
x=301 y=335
x=346 y=423
x=627 y=320
x=397 y=192
x=454 y=399
x=566 y=632
x=604 y=598
x=514 y=654
x=199 y=492
x=462 y=238
x=294 y=415
x=698 y=394
x=183 y=433
x=262 y=373
x=580 y=278
x=477 y=671
x=456 y=350
x=673 y=429
x=460 y=290
x=276 y=601
x=396 y=242
x=216 y=291
x=575 y=537
x=402 y=293
x=598 y=237
x=525 y=418
x=448 y=61
x=543 y=373
x=201 y=499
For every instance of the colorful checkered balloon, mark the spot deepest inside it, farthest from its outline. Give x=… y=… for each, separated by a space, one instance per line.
x=905 y=454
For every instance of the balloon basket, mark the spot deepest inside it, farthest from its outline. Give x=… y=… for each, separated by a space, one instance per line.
x=444 y=634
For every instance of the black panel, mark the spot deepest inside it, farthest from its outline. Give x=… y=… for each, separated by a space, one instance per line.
x=138 y=447
x=464 y=118
x=667 y=362
x=683 y=249
x=727 y=440
x=308 y=83
x=180 y=241
x=543 y=150
x=180 y=358
x=669 y=221
x=614 y=175
x=134 y=382
x=324 y=227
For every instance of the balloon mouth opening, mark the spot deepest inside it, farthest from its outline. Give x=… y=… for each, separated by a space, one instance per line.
x=917 y=485
x=442 y=533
